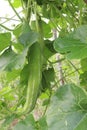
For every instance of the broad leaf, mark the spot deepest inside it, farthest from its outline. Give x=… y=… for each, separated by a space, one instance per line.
x=27 y=36
x=74 y=45
x=5 y=39
x=81 y=33
x=27 y=39
x=83 y=124
x=73 y=48
x=67 y=108
x=46 y=30
x=9 y=60
x=17 y=30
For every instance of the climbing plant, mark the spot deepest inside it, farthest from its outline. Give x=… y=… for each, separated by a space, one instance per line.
x=43 y=61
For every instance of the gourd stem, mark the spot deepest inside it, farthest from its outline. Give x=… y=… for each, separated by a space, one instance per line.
x=28 y=11
x=39 y=26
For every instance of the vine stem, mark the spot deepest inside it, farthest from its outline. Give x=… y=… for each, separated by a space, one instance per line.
x=10 y=18
x=6 y=27
x=74 y=66
x=15 y=10
x=39 y=26
x=7 y=19
x=28 y=11
x=67 y=75
x=59 y=64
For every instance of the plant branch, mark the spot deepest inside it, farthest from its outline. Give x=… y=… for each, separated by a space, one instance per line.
x=11 y=18
x=6 y=27
x=15 y=11
x=7 y=19
x=74 y=66
x=54 y=62
x=67 y=75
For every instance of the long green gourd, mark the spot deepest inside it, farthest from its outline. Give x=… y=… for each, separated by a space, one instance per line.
x=35 y=74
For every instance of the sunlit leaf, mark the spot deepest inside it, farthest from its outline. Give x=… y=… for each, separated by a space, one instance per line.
x=17 y=3
x=5 y=39
x=12 y=75
x=17 y=30
x=46 y=30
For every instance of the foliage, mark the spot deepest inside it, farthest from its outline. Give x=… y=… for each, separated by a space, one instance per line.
x=39 y=59
x=73 y=42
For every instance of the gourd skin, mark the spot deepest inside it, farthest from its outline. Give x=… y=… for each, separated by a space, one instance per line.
x=35 y=74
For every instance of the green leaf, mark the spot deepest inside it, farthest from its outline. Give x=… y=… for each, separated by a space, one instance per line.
x=27 y=124
x=18 y=47
x=5 y=39
x=12 y=75
x=17 y=30
x=24 y=75
x=84 y=64
x=67 y=108
x=5 y=91
x=83 y=124
x=81 y=33
x=25 y=27
x=74 y=45
x=83 y=79
x=46 y=30
x=73 y=48
x=9 y=60
x=42 y=124
x=17 y=3
x=48 y=49
x=8 y=120
x=48 y=77
x=47 y=33
x=27 y=36
x=46 y=102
